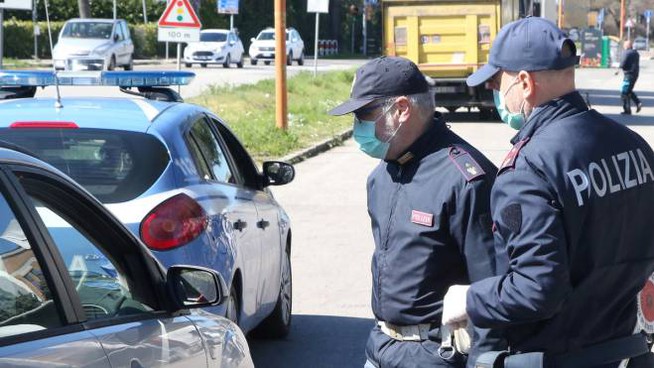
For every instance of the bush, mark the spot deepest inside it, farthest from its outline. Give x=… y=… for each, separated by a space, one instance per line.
x=19 y=39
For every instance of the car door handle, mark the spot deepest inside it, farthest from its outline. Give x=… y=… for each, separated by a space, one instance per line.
x=262 y=224
x=240 y=225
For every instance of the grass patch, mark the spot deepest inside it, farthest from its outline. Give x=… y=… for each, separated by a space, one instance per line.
x=250 y=112
x=9 y=63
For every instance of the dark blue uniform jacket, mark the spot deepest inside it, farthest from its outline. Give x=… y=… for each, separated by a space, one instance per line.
x=431 y=223
x=573 y=205
x=630 y=63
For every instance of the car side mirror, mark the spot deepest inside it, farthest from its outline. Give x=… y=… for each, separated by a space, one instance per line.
x=115 y=38
x=195 y=287
x=232 y=43
x=252 y=39
x=278 y=173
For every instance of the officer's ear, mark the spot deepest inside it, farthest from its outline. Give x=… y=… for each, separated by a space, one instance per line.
x=403 y=108
x=528 y=83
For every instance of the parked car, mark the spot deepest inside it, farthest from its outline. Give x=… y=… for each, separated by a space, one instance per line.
x=176 y=175
x=77 y=289
x=263 y=47
x=640 y=43
x=216 y=46
x=94 y=44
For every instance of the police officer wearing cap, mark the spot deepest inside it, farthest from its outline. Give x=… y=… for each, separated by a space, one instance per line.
x=572 y=206
x=428 y=201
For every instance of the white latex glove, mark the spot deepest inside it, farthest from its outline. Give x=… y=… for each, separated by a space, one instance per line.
x=454 y=307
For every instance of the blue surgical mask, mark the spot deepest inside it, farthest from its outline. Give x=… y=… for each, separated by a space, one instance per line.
x=364 y=135
x=515 y=119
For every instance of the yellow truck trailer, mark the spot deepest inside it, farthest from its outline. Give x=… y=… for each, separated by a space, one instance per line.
x=448 y=40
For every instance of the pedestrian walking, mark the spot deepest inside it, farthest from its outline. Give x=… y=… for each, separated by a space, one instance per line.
x=572 y=206
x=630 y=66
x=428 y=201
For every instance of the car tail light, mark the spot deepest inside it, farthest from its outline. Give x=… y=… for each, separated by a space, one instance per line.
x=173 y=223
x=43 y=124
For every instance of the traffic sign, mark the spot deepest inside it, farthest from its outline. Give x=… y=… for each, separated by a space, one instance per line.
x=178 y=34
x=648 y=14
x=179 y=13
x=227 y=6
x=630 y=23
x=600 y=16
x=317 y=6
x=16 y=4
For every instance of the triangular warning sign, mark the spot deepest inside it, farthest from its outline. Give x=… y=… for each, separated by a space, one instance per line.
x=179 y=13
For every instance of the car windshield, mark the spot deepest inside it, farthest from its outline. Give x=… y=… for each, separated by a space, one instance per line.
x=100 y=30
x=265 y=36
x=115 y=166
x=213 y=37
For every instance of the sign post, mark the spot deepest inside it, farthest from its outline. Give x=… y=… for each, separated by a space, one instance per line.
x=317 y=6
x=178 y=23
x=630 y=24
x=228 y=7
x=10 y=4
x=648 y=16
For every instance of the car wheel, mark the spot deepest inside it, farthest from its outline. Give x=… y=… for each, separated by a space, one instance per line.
x=112 y=63
x=278 y=323
x=228 y=61
x=253 y=61
x=300 y=61
x=240 y=62
x=289 y=59
x=267 y=62
x=204 y=65
x=232 y=307
x=188 y=65
x=130 y=65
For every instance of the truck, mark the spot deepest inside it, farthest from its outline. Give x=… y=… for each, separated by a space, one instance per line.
x=448 y=40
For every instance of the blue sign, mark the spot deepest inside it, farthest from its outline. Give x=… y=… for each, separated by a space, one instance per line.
x=600 y=16
x=648 y=14
x=228 y=6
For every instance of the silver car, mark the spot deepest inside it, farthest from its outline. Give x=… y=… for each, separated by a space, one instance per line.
x=77 y=289
x=263 y=47
x=94 y=44
x=216 y=46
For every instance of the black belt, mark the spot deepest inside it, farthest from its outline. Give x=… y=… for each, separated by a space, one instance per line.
x=612 y=351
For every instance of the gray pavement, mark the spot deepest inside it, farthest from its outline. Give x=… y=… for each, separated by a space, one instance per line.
x=332 y=243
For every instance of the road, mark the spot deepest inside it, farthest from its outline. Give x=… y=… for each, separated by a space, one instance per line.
x=213 y=75
x=332 y=239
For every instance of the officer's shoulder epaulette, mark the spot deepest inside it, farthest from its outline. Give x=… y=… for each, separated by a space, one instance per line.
x=512 y=156
x=465 y=163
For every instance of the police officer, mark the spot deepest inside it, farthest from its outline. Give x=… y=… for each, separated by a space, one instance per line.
x=630 y=66
x=428 y=202
x=572 y=206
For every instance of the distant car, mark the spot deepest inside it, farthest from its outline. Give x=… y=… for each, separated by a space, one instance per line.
x=216 y=46
x=263 y=47
x=94 y=44
x=77 y=289
x=176 y=175
x=640 y=43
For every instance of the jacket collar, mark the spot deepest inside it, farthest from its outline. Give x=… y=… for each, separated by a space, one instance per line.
x=424 y=145
x=549 y=112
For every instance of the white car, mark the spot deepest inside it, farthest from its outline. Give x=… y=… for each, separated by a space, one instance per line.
x=216 y=46
x=640 y=43
x=263 y=47
x=94 y=44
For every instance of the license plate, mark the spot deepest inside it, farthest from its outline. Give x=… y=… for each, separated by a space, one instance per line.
x=203 y=58
x=446 y=89
x=267 y=54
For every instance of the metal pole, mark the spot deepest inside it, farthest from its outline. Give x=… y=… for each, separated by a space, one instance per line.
x=647 y=34
x=2 y=36
x=231 y=22
x=622 y=20
x=315 y=47
x=280 y=64
x=365 y=33
x=115 y=9
x=167 y=53
x=179 y=63
x=36 y=25
x=560 y=14
x=354 y=22
x=145 y=13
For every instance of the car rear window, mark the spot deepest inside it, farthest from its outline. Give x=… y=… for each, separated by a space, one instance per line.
x=213 y=37
x=115 y=166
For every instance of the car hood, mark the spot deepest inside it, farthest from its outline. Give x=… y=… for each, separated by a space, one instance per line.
x=74 y=46
x=266 y=43
x=209 y=46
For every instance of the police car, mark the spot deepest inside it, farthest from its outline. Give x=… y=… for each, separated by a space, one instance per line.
x=172 y=172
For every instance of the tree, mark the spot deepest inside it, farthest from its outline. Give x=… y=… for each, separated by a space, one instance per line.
x=84 y=8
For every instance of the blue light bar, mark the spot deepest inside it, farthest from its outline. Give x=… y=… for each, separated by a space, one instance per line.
x=40 y=78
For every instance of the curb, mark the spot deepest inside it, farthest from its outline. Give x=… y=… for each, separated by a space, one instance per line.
x=318 y=148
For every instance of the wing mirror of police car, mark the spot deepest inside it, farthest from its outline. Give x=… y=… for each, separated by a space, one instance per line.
x=277 y=173
x=252 y=39
x=195 y=287
x=115 y=38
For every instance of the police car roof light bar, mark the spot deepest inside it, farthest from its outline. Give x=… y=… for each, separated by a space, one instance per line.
x=39 y=78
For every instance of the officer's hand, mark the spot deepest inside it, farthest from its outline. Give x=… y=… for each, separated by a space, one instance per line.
x=454 y=306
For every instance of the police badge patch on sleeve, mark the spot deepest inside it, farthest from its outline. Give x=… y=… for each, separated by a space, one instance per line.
x=512 y=217
x=465 y=163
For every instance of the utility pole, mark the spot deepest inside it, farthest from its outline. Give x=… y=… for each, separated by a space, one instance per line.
x=622 y=16
x=560 y=18
x=280 y=64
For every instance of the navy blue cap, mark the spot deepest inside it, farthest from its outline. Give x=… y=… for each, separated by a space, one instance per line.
x=383 y=77
x=530 y=44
